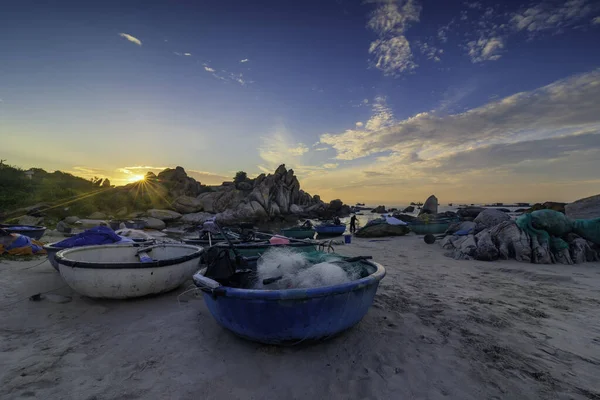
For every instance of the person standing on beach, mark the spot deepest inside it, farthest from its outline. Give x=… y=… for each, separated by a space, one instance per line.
x=353 y=224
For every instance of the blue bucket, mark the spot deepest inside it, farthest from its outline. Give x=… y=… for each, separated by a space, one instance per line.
x=347 y=239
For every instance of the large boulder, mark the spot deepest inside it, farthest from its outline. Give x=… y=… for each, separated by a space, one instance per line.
x=335 y=205
x=154 y=223
x=296 y=209
x=469 y=213
x=178 y=183
x=379 y=210
x=97 y=215
x=382 y=230
x=195 y=218
x=71 y=220
x=90 y=223
x=245 y=186
x=187 y=204
x=409 y=209
x=30 y=220
x=488 y=218
x=164 y=215
x=430 y=206
x=228 y=200
x=587 y=208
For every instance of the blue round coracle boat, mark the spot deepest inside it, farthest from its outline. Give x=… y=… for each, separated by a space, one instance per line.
x=291 y=316
x=32 y=231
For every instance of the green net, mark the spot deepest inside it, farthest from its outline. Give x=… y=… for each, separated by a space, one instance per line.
x=588 y=229
x=549 y=226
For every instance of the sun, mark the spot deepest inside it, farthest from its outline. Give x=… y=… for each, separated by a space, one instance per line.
x=136 y=178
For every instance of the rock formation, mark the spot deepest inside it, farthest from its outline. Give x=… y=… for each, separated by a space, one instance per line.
x=430 y=206
x=587 y=208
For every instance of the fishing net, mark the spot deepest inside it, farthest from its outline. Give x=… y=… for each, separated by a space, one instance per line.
x=286 y=268
x=548 y=226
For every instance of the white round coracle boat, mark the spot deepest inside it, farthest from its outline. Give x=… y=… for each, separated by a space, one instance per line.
x=121 y=272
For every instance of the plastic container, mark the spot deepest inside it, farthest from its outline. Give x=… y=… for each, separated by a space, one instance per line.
x=347 y=239
x=279 y=240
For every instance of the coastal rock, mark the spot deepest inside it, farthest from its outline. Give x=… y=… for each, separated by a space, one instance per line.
x=245 y=186
x=195 y=218
x=430 y=206
x=382 y=230
x=187 y=204
x=71 y=220
x=469 y=212
x=587 y=208
x=178 y=183
x=97 y=215
x=379 y=210
x=62 y=227
x=463 y=247
x=488 y=218
x=486 y=249
x=335 y=205
x=582 y=250
x=465 y=226
x=164 y=215
x=30 y=220
x=296 y=209
x=511 y=241
x=154 y=223
x=90 y=223
x=409 y=209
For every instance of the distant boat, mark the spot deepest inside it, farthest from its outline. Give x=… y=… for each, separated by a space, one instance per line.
x=330 y=229
x=449 y=204
x=360 y=204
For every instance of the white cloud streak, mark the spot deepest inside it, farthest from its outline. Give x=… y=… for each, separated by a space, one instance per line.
x=245 y=60
x=130 y=38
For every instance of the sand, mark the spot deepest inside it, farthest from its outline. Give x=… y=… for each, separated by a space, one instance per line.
x=439 y=329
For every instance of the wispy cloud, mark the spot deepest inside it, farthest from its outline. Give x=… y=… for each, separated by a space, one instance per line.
x=208 y=69
x=359 y=124
x=280 y=148
x=552 y=110
x=548 y=16
x=187 y=54
x=485 y=49
x=596 y=21
x=245 y=60
x=392 y=52
x=130 y=38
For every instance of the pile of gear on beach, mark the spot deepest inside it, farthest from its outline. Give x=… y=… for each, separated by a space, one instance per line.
x=539 y=237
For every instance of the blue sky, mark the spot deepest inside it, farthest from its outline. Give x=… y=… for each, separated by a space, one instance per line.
x=377 y=101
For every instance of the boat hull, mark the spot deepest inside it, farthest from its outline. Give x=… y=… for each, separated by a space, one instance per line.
x=290 y=316
x=113 y=280
x=330 y=230
x=256 y=249
x=298 y=233
x=32 y=231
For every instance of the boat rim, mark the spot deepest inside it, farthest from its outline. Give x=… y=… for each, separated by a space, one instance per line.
x=291 y=294
x=62 y=260
x=17 y=226
x=51 y=246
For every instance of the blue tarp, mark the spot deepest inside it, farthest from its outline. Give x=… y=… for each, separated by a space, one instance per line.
x=94 y=236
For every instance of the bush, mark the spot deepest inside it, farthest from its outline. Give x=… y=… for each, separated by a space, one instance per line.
x=240 y=176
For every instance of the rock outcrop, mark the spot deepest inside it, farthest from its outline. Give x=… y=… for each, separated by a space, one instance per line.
x=379 y=210
x=187 y=204
x=164 y=215
x=409 y=209
x=30 y=220
x=430 y=206
x=488 y=218
x=587 y=208
x=178 y=183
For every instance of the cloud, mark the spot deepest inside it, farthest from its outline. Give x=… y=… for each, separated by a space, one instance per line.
x=596 y=21
x=245 y=60
x=132 y=39
x=549 y=111
x=392 y=52
x=208 y=69
x=485 y=49
x=187 y=54
x=359 y=124
x=330 y=165
x=430 y=51
x=547 y=16
x=280 y=148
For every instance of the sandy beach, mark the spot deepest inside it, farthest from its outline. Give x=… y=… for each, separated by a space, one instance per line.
x=439 y=329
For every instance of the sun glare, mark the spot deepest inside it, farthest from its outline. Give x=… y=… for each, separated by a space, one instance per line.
x=136 y=178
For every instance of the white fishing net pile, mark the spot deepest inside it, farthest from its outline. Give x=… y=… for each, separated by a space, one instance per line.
x=298 y=271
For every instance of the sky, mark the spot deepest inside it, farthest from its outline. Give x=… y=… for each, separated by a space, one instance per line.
x=376 y=101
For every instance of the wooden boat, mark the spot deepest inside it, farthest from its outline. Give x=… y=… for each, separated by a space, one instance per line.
x=52 y=250
x=330 y=230
x=121 y=272
x=32 y=231
x=298 y=232
x=289 y=316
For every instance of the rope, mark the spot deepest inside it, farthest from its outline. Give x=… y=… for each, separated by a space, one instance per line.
x=25 y=298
